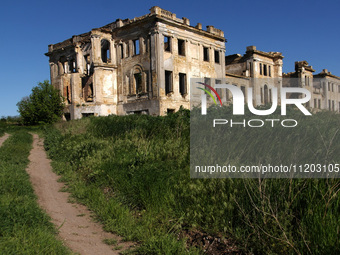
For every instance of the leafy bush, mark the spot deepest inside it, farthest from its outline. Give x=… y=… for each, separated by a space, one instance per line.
x=44 y=105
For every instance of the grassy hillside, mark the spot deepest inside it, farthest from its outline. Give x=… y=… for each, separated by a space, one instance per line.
x=133 y=171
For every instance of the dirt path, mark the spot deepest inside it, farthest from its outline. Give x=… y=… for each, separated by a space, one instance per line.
x=3 y=138
x=76 y=228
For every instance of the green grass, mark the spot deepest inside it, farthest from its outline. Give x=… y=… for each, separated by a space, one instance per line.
x=24 y=227
x=133 y=172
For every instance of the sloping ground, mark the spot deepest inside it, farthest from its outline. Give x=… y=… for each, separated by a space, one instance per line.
x=73 y=221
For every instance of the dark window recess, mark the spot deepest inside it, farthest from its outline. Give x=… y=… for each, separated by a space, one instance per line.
x=218 y=90
x=68 y=94
x=205 y=54
x=138 y=82
x=88 y=114
x=67 y=116
x=121 y=51
x=260 y=68
x=217 y=57
x=270 y=71
x=87 y=89
x=167 y=43
x=168 y=82
x=136 y=47
x=170 y=111
x=72 y=66
x=265 y=70
x=208 y=82
x=315 y=105
x=181 y=47
x=182 y=83
x=105 y=46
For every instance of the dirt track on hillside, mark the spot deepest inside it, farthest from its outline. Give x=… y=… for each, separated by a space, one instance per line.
x=3 y=138
x=76 y=228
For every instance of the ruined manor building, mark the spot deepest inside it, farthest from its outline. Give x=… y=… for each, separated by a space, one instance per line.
x=144 y=66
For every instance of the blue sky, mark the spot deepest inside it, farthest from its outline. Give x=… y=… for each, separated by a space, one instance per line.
x=301 y=30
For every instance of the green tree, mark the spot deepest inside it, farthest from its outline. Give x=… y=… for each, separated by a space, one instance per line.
x=44 y=105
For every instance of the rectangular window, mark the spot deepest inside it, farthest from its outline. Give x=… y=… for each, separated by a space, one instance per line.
x=181 y=47
x=207 y=81
x=265 y=70
x=217 y=57
x=138 y=82
x=260 y=68
x=270 y=71
x=219 y=91
x=329 y=86
x=332 y=87
x=315 y=105
x=168 y=82
x=121 y=51
x=206 y=54
x=333 y=105
x=261 y=96
x=167 y=43
x=182 y=84
x=329 y=104
x=136 y=47
x=319 y=104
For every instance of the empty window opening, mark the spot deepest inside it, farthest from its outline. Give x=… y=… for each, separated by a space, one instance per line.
x=333 y=105
x=260 y=68
x=315 y=103
x=205 y=53
x=88 y=66
x=217 y=57
x=270 y=71
x=266 y=101
x=138 y=82
x=68 y=94
x=67 y=116
x=167 y=43
x=265 y=70
x=208 y=82
x=219 y=90
x=181 y=47
x=170 y=111
x=136 y=47
x=87 y=114
x=121 y=51
x=72 y=66
x=182 y=84
x=168 y=82
x=329 y=104
x=105 y=46
x=87 y=89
